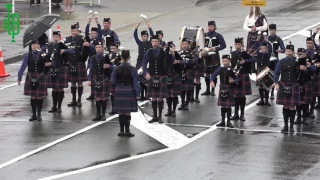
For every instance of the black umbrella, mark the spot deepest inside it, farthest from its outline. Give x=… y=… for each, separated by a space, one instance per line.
x=38 y=28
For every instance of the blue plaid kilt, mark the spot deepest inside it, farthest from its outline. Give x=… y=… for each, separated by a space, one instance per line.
x=125 y=100
x=188 y=84
x=112 y=89
x=105 y=90
x=60 y=81
x=41 y=89
x=244 y=87
x=306 y=93
x=229 y=101
x=159 y=92
x=316 y=85
x=175 y=89
x=292 y=100
x=80 y=75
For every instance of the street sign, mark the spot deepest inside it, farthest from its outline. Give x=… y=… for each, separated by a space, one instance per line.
x=254 y=2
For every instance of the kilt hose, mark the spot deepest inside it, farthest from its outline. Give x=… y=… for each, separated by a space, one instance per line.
x=125 y=100
x=60 y=81
x=80 y=75
x=228 y=101
x=243 y=88
x=160 y=91
x=289 y=100
x=40 y=90
x=104 y=91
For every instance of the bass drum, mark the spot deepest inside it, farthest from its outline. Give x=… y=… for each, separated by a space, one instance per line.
x=193 y=33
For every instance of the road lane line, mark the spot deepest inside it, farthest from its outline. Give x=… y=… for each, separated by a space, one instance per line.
x=60 y=140
x=5 y=87
x=300 y=31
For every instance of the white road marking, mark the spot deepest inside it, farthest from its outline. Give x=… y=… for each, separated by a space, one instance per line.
x=5 y=87
x=14 y=64
x=305 y=29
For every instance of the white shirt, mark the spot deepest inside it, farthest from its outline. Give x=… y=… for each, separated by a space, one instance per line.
x=250 y=21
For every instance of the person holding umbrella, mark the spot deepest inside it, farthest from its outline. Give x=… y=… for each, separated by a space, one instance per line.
x=35 y=83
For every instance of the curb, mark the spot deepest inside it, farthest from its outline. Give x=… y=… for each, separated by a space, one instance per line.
x=19 y=57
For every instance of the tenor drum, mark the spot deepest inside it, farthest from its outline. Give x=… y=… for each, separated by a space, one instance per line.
x=266 y=78
x=193 y=33
x=141 y=77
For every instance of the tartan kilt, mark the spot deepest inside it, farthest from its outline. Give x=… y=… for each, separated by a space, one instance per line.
x=125 y=100
x=160 y=92
x=112 y=89
x=199 y=72
x=292 y=100
x=60 y=81
x=316 y=85
x=307 y=96
x=80 y=75
x=244 y=87
x=175 y=89
x=105 y=91
x=229 y=101
x=209 y=70
x=188 y=85
x=41 y=90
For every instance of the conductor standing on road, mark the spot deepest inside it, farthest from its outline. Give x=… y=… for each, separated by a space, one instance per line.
x=125 y=78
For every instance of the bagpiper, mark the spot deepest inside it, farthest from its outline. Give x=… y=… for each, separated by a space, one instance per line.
x=156 y=75
x=109 y=35
x=226 y=94
x=240 y=63
x=159 y=33
x=143 y=46
x=99 y=77
x=57 y=78
x=35 y=83
x=125 y=78
x=215 y=42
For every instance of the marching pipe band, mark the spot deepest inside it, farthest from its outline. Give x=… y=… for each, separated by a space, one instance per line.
x=164 y=72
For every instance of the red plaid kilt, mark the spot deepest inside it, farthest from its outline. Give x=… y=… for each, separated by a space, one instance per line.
x=307 y=96
x=316 y=85
x=40 y=91
x=292 y=100
x=188 y=85
x=244 y=87
x=160 y=92
x=59 y=82
x=229 y=101
x=125 y=100
x=80 y=75
x=175 y=89
x=112 y=89
x=105 y=91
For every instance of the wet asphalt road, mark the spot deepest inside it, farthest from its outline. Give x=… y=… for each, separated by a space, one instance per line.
x=254 y=150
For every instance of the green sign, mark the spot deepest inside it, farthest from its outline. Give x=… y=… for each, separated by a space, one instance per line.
x=12 y=23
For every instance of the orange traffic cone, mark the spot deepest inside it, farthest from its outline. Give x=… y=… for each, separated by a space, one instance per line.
x=2 y=68
x=58 y=29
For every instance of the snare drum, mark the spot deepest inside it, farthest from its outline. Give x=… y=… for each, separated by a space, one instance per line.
x=142 y=78
x=266 y=78
x=193 y=33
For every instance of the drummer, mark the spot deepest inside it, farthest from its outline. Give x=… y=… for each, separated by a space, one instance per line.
x=263 y=59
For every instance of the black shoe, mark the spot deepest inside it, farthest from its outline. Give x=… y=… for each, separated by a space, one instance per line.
x=160 y=120
x=181 y=107
x=192 y=100
x=173 y=114
x=242 y=118
x=169 y=113
x=206 y=93
x=59 y=110
x=197 y=100
x=298 y=120
x=235 y=117
x=285 y=129
x=154 y=119
x=128 y=134
x=291 y=128
x=267 y=103
x=317 y=106
x=112 y=113
x=229 y=124
x=39 y=118
x=103 y=117
x=186 y=107
x=72 y=104
x=53 y=110
x=79 y=104
x=260 y=103
x=311 y=115
x=33 y=118
x=272 y=96
x=221 y=124
x=97 y=118
x=121 y=134
x=90 y=97
x=213 y=93
x=305 y=122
